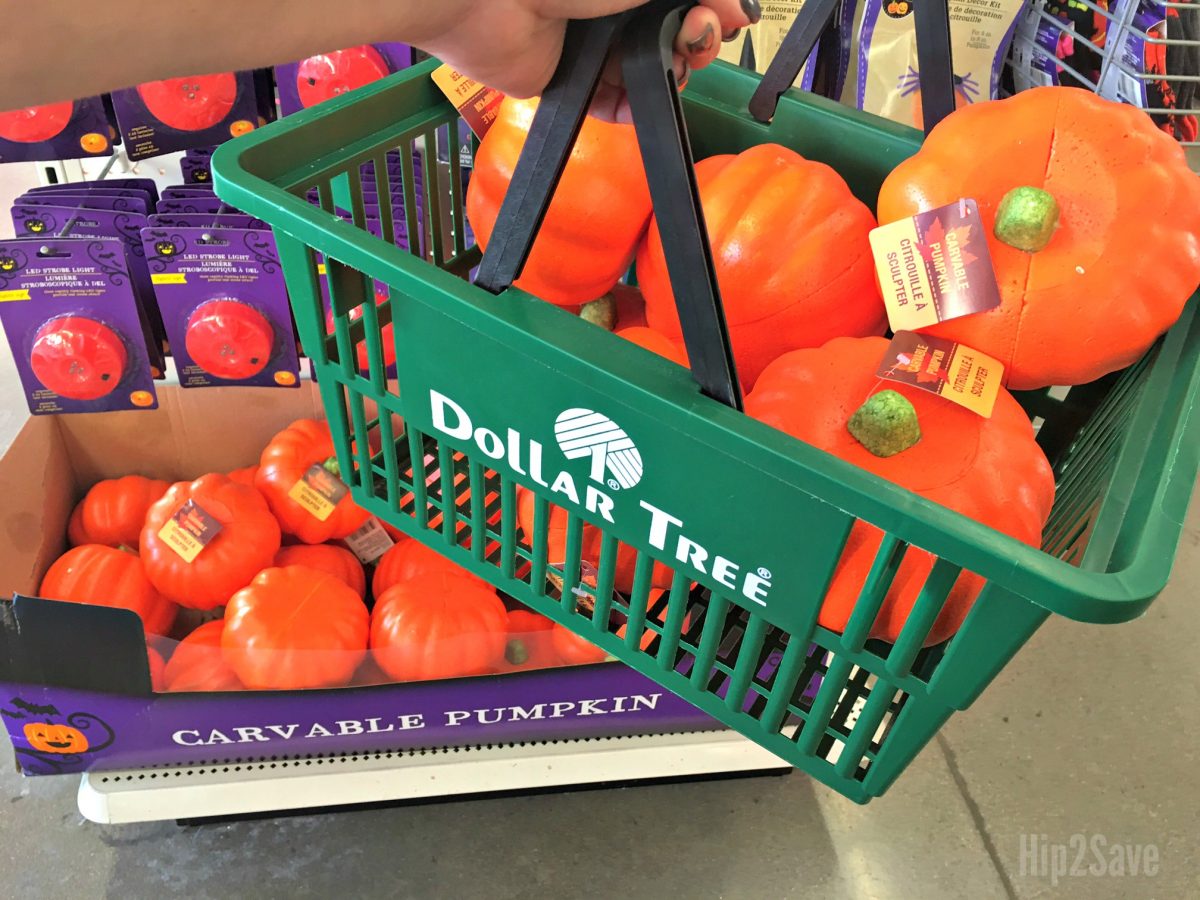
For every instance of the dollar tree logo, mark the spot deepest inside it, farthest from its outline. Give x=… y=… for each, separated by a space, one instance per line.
x=615 y=458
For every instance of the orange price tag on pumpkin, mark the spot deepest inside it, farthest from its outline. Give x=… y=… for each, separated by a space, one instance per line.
x=935 y=266
x=189 y=530
x=946 y=368
x=477 y=103
x=319 y=491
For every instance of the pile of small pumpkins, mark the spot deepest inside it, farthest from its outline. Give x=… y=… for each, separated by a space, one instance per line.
x=1090 y=274
x=287 y=602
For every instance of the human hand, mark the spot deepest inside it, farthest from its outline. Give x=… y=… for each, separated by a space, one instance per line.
x=515 y=45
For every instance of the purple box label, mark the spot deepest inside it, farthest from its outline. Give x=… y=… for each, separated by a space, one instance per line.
x=105 y=731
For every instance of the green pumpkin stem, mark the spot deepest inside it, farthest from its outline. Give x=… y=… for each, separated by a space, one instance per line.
x=886 y=424
x=1027 y=218
x=516 y=652
x=332 y=467
x=602 y=312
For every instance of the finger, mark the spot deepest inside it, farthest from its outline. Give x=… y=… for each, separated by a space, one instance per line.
x=735 y=13
x=609 y=103
x=699 y=39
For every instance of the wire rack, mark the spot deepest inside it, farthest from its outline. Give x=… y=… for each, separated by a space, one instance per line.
x=1142 y=52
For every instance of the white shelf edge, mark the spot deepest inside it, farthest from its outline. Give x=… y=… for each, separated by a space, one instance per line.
x=148 y=795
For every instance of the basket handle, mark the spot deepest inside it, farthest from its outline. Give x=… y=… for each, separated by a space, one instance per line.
x=934 y=59
x=646 y=36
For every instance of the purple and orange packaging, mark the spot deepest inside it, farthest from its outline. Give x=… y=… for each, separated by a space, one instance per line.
x=195 y=170
x=318 y=78
x=75 y=326
x=225 y=305
x=145 y=186
x=159 y=117
x=75 y=129
x=116 y=200
x=86 y=217
x=195 y=165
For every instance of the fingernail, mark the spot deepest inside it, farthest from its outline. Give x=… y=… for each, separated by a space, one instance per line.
x=731 y=35
x=753 y=10
x=703 y=43
x=681 y=78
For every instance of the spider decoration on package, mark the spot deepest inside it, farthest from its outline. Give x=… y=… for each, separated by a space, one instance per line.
x=966 y=91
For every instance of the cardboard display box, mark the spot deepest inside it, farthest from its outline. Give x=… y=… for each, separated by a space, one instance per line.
x=79 y=676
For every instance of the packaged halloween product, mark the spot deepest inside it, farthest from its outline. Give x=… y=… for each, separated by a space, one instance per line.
x=178 y=113
x=194 y=166
x=225 y=305
x=92 y=217
x=119 y=186
x=318 y=78
x=74 y=326
x=72 y=129
x=766 y=37
x=888 y=70
x=118 y=201
x=1155 y=64
x=1059 y=42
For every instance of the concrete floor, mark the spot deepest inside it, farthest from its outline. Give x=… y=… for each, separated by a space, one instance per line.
x=1090 y=734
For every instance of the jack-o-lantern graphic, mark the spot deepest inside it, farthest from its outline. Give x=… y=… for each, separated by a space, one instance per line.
x=898 y=9
x=164 y=248
x=7 y=263
x=51 y=738
x=48 y=742
x=35 y=226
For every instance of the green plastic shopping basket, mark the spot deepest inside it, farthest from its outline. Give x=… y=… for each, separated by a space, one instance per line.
x=481 y=381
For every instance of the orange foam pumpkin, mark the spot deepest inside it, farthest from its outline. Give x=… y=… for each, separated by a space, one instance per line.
x=293 y=628
x=990 y=470
x=410 y=559
x=596 y=218
x=337 y=561
x=105 y=576
x=199 y=664
x=285 y=460
x=791 y=253
x=1123 y=259
x=157 y=670
x=247 y=541
x=438 y=625
x=114 y=511
x=655 y=342
x=244 y=475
